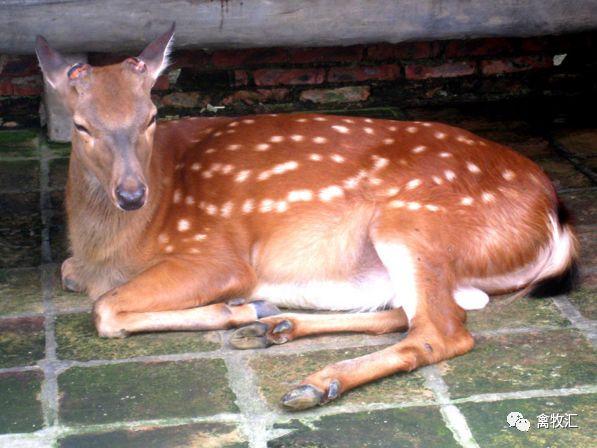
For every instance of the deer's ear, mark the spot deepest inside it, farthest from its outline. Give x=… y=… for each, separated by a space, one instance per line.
x=52 y=64
x=155 y=55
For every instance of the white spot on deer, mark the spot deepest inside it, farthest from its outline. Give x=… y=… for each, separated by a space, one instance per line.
x=177 y=197
x=439 y=135
x=283 y=167
x=281 y=206
x=396 y=204
x=329 y=193
x=379 y=162
x=445 y=155
x=369 y=131
x=348 y=120
x=481 y=142
x=199 y=236
x=233 y=147
x=463 y=139
x=368 y=120
x=248 y=121
x=163 y=238
x=189 y=200
x=450 y=175
x=211 y=209
x=169 y=249
x=375 y=181
x=297 y=138
x=438 y=180
x=431 y=207
x=267 y=205
x=230 y=131
x=426 y=124
x=388 y=141
x=195 y=166
x=392 y=128
x=413 y=206
x=351 y=183
x=412 y=129
x=276 y=139
x=210 y=150
x=227 y=169
x=319 y=140
x=301 y=120
x=233 y=124
x=207 y=174
x=262 y=147
x=412 y=184
x=473 y=168
x=337 y=158
x=418 y=149
x=508 y=175
x=320 y=119
x=218 y=134
x=179 y=166
x=248 y=206
x=300 y=195
x=467 y=200
x=264 y=175
x=315 y=157
x=183 y=225
x=242 y=176
x=226 y=209
x=340 y=129
x=194 y=250
x=487 y=197
x=393 y=191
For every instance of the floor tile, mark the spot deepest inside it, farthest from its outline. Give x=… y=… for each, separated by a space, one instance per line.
x=581 y=142
x=58 y=173
x=200 y=435
x=409 y=427
x=20 y=230
x=585 y=301
x=490 y=428
x=22 y=341
x=19 y=175
x=582 y=205
x=278 y=374
x=522 y=312
x=506 y=363
x=19 y=144
x=563 y=174
x=77 y=339
x=138 y=391
x=19 y=402
x=20 y=291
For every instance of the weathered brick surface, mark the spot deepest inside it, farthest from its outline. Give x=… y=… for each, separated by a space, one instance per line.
x=291 y=76
x=339 y=95
x=446 y=70
x=387 y=72
x=517 y=64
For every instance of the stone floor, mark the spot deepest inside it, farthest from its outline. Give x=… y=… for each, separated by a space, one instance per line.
x=60 y=385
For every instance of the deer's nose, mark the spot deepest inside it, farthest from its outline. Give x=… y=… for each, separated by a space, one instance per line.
x=130 y=197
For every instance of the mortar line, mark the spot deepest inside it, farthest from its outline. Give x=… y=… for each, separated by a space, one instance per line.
x=256 y=416
x=525 y=394
x=453 y=418
x=49 y=388
x=569 y=311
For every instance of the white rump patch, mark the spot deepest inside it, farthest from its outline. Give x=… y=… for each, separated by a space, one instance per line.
x=469 y=298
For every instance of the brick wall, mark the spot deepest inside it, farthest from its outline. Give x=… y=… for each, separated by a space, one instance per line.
x=277 y=79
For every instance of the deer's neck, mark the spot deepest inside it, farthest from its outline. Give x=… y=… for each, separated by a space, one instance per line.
x=99 y=232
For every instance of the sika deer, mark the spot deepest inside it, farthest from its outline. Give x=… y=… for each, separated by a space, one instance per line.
x=408 y=223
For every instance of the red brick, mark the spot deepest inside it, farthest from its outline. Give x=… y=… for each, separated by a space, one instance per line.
x=25 y=86
x=251 y=97
x=241 y=78
x=447 y=70
x=479 y=47
x=387 y=72
x=517 y=64
x=340 y=95
x=249 y=57
x=326 y=54
x=293 y=76
x=406 y=50
x=13 y=65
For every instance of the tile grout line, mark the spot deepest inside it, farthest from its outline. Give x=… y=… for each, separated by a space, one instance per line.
x=49 y=389
x=453 y=418
x=256 y=416
x=578 y=321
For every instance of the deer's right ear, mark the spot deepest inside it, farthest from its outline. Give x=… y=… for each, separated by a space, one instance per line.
x=53 y=65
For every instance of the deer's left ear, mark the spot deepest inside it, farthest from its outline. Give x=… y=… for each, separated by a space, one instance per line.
x=155 y=55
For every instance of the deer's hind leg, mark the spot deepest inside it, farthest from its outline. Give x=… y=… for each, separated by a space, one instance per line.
x=179 y=294
x=424 y=285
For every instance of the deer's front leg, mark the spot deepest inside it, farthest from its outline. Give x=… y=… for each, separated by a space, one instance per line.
x=179 y=294
x=70 y=280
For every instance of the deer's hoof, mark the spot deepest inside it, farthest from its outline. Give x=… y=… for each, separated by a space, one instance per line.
x=251 y=336
x=308 y=396
x=68 y=284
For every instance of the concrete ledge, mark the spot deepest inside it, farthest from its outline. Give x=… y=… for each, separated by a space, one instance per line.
x=119 y=25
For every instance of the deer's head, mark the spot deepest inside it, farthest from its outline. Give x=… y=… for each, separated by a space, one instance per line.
x=113 y=116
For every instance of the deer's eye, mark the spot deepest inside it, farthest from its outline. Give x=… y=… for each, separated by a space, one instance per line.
x=154 y=120
x=82 y=129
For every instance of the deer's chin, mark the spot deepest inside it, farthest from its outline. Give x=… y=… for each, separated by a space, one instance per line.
x=129 y=207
